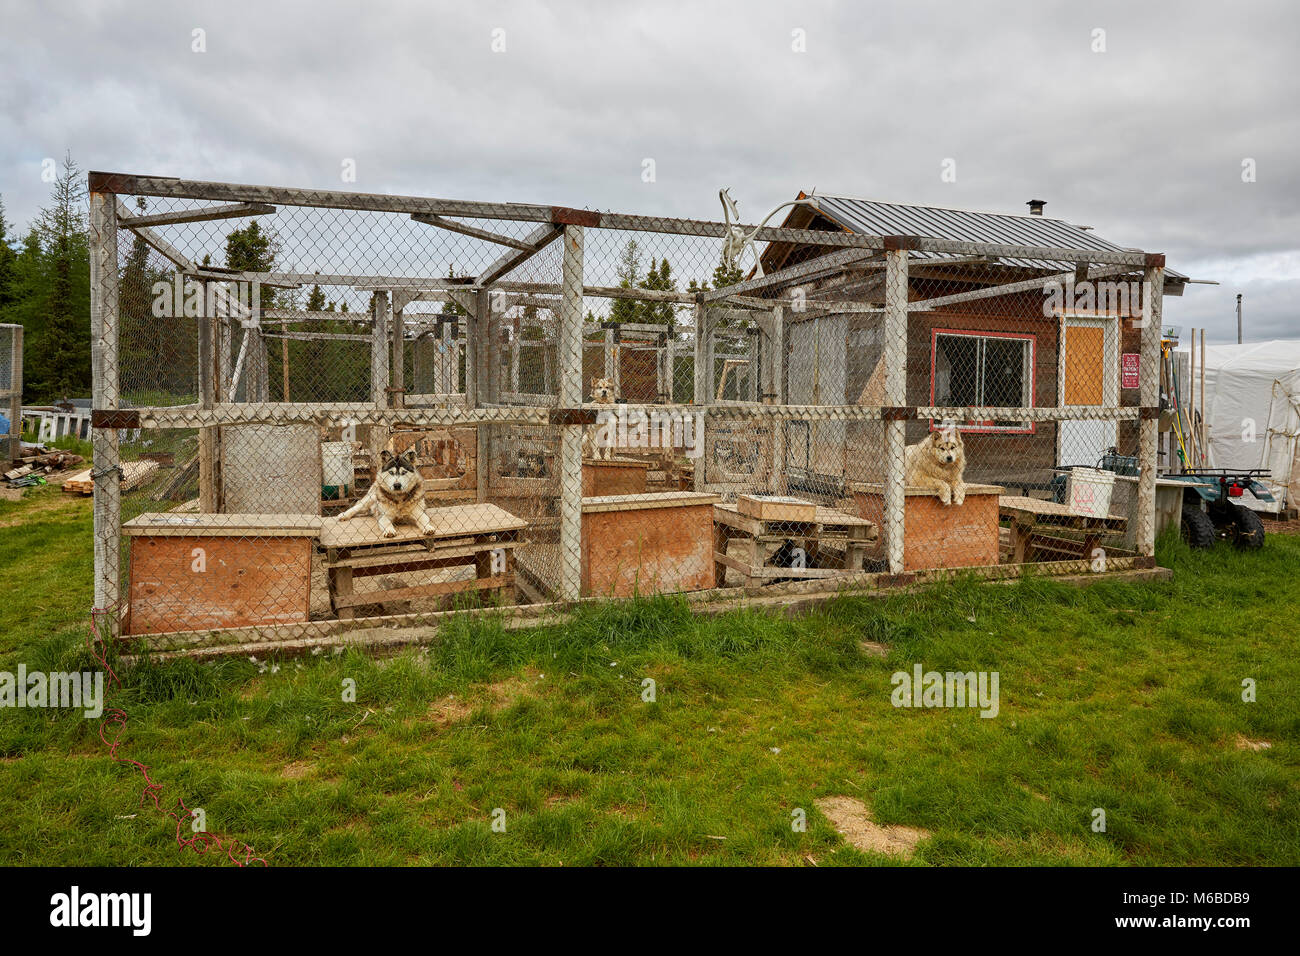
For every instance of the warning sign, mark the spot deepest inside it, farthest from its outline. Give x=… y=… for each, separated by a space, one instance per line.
x=1128 y=369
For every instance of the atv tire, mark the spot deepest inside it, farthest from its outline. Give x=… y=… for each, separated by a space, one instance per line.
x=1245 y=528
x=1198 y=529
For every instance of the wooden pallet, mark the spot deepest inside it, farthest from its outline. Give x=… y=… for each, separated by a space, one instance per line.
x=1035 y=528
x=742 y=543
x=465 y=538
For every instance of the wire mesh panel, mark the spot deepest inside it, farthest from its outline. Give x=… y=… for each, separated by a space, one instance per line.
x=349 y=385
x=347 y=409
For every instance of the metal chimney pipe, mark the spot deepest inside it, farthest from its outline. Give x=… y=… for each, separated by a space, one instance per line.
x=1036 y=206
x=1238 y=318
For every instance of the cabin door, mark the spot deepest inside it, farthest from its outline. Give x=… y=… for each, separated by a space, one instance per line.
x=1088 y=378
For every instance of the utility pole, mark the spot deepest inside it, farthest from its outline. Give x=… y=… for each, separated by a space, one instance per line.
x=1238 y=318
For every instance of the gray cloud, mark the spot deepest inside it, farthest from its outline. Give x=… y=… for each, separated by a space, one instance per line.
x=1144 y=142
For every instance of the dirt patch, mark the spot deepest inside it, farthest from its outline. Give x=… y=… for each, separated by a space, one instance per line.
x=496 y=697
x=1281 y=526
x=1245 y=743
x=852 y=820
x=296 y=770
x=450 y=709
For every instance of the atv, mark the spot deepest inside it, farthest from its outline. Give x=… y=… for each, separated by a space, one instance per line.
x=1212 y=512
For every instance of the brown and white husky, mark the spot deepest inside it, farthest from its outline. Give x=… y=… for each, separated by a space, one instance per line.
x=938 y=464
x=598 y=439
x=397 y=495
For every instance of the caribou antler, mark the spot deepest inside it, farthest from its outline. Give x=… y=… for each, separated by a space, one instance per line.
x=737 y=240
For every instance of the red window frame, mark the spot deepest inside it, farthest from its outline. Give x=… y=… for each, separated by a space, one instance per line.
x=987 y=428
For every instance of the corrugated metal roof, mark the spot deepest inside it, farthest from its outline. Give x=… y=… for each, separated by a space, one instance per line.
x=872 y=217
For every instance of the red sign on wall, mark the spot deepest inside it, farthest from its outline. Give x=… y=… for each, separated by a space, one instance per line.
x=1128 y=369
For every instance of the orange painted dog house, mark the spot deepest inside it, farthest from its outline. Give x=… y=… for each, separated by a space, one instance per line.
x=647 y=544
x=936 y=535
x=192 y=572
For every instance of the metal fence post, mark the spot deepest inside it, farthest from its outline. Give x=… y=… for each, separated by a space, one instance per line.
x=105 y=394
x=895 y=359
x=570 y=349
x=1153 y=282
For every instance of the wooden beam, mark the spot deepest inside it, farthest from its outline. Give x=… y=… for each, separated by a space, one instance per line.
x=537 y=240
x=280 y=316
x=452 y=225
x=832 y=260
x=127 y=184
x=1027 y=285
x=317 y=336
x=206 y=214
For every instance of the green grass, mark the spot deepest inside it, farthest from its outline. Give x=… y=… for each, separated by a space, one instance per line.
x=1120 y=696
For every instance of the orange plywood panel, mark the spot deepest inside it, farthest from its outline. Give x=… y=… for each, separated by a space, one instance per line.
x=648 y=550
x=938 y=535
x=1085 y=349
x=230 y=582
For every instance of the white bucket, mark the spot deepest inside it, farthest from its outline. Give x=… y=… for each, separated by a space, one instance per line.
x=1087 y=492
x=336 y=465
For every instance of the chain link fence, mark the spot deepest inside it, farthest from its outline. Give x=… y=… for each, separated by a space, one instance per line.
x=324 y=411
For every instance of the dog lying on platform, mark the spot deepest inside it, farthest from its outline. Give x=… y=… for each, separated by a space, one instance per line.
x=397 y=495
x=602 y=393
x=938 y=464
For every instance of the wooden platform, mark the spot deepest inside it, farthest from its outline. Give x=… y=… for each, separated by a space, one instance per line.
x=478 y=541
x=936 y=535
x=1032 y=523
x=742 y=543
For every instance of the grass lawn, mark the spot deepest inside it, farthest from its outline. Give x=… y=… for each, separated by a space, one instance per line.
x=1124 y=697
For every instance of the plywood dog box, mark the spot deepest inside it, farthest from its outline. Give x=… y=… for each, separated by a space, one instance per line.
x=207 y=571
x=936 y=535
x=647 y=544
x=615 y=476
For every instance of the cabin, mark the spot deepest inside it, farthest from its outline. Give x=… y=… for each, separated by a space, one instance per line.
x=985 y=332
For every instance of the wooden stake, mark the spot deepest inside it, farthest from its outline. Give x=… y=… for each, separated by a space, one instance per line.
x=1204 y=433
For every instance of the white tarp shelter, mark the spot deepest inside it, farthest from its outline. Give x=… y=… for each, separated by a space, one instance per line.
x=1255 y=388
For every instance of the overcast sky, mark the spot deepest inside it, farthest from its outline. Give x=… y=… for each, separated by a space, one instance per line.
x=1145 y=140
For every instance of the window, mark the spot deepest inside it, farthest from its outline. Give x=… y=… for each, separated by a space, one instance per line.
x=986 y=370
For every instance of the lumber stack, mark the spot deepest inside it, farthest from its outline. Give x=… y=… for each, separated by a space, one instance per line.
x=43 y=463
x=134 y=474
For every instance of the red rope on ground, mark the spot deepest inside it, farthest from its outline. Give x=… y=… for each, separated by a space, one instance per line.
x=116 y=718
